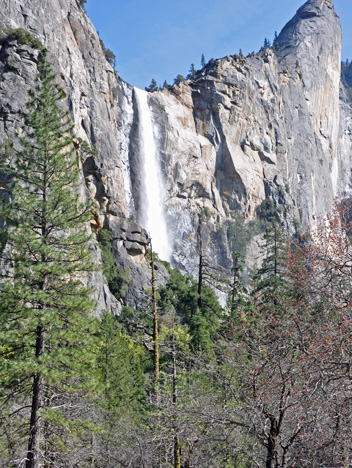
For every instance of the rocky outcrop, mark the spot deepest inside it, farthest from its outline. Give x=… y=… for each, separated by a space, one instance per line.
x=245 y=130
x=309 y=50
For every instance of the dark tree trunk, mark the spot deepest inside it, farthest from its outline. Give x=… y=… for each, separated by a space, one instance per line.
x=200 y=274
x=234 y=284
x=155 y=334
x=271 y=459
x=270 y=453
x=37 y=404
x=177 y=445
x=177 y=453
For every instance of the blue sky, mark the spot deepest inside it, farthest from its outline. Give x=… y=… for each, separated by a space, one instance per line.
x=161 y=38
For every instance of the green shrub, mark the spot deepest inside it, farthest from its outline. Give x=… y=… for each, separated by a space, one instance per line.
x=20 y=35
x=82 y=4
x=109 y=54
x=206 y=213
x=267 y=211
x=118 y=280
x=219 y=229
x=239 y=234
x=110 y=57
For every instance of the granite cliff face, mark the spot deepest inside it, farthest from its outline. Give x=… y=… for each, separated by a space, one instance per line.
x=245 y=130
x=90 y=84
x=272 y=126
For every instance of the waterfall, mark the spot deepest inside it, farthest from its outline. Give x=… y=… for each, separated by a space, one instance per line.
x=126 y=105
x=151 y=212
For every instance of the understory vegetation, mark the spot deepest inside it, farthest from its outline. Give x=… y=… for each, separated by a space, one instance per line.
x=264 y=381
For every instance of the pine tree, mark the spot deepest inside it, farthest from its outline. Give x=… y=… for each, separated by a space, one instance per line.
x=237 y=297
x=122 y=382
x=276 y=37
x=271 y=280
x=152 y=87
x=156 y=352
x=196 y=303
x=45 y=324
x=120 y=368
x=202 y=61
x=267 y=43
x=179 y=79
x=192 y=72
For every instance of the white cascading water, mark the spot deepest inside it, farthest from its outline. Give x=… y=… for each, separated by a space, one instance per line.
x=152 y=212
x=126 y=124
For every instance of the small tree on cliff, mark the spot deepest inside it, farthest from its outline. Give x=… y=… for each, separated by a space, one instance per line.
x=179 y=79
x=152 y=87
x=276 y=37
x=82 y=3
x=45 y=324
x=192 y=72
x=267 y=43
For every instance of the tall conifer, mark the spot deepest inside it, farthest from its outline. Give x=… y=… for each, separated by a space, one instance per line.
x=270 y=281
x=45 y=324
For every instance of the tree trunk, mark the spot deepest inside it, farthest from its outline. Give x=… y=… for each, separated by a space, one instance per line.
x=177 y=445
x=200 y=274
x=271 y=459
x=270 y=453
x=234 y=284
x=155 y=334
x=37 y=404
x=177 y=453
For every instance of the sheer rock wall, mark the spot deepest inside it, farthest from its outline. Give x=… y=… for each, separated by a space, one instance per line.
x=248 y=129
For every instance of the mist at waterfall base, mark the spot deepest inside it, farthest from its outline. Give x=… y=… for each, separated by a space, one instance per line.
x=152 y=216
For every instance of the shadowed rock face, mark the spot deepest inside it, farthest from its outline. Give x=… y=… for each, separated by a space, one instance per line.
x=244 y=130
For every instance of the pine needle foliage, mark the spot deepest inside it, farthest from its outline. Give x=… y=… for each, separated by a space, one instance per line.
x=46 y=349
x=271 y=279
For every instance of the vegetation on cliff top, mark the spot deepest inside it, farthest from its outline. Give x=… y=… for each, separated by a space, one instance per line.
x=346 y=77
